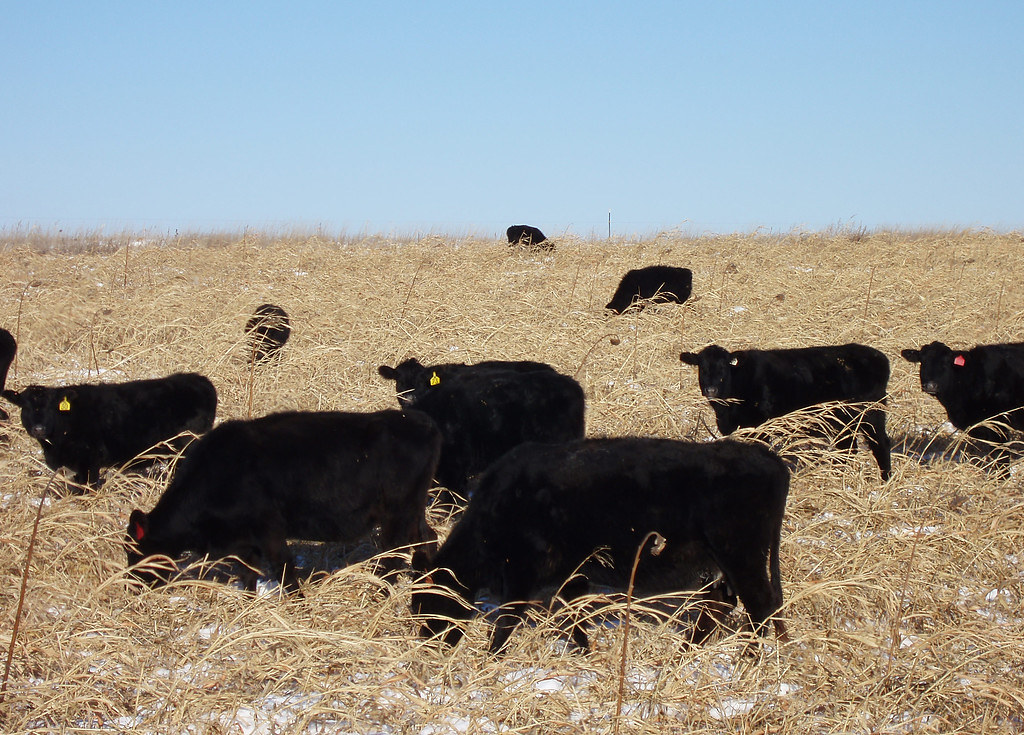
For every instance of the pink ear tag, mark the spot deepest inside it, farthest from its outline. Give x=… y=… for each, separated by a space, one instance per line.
x=959 y=361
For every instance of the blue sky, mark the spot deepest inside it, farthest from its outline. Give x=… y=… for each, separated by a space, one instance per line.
x=467 y=117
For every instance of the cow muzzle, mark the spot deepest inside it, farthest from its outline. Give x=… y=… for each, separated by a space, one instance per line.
x=37 y=431
x=931 y=387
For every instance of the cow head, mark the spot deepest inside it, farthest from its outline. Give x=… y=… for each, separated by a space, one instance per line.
x=138 y=546
x=43 y=409
x=411 y=378
x=939 y=366
x=440 y=603
x=714 y=370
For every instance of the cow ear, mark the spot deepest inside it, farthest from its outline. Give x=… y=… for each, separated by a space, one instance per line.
x=138 y=525
x=688 y=357
x=13 y=397
x=911 y=355
x=387 y=372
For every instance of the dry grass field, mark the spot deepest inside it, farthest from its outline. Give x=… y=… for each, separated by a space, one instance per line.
x=904 y=599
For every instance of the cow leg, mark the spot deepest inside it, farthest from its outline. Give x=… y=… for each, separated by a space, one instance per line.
x=404 y=527
x=281 y=562
x=743 y=563
x=516 y=585
x=716 y=603
x=509 y=618
x=575 y=587
x=89 y=476
x=878 y=441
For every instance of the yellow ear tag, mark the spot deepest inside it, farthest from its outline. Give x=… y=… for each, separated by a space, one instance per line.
x=434 y=380
x=64 y=405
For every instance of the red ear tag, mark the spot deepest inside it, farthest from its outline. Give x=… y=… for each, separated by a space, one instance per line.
x=959 y=361
x=138 y=532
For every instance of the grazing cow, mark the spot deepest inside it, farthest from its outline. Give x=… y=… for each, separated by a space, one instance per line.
x=247 y=487
x=88 y=427
x=8 y=347
x=414 y=380
x=748 y=387
x=268 y=330
x=543 y=513
x=486 y=409
x=656 y=283
x=527 y=236
x=984 y=382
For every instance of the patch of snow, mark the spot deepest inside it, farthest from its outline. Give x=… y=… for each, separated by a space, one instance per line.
x=995 y=594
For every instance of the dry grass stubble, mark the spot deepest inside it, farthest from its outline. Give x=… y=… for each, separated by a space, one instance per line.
x=903 y=600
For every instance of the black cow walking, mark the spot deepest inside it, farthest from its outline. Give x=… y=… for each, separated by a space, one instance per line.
x=748 y=387
x=984 y=382
x=268 y=330
x=527 y=236
x=656 y=283
x=8 y=348
x=88 y=427
x=486 y=409
x=247 y=487
x=542 y=512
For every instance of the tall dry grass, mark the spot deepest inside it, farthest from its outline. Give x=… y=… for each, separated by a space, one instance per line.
x=904 y=600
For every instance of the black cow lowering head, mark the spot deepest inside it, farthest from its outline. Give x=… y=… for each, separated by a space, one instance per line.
x=714 y=370
x=940 y=366
x=268 y=330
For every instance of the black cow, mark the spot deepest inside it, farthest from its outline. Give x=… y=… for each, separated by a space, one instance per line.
x=8 y=348
x=748 y=387
x=486 y=409
x=268 y=330
x=656 y=283
x=527 y=236
x=88 y=427
x=413 y=380
x=543 y=512
x=247 y=487
x=984 y=382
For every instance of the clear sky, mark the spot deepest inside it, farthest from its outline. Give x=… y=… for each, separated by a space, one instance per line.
x=465 y=117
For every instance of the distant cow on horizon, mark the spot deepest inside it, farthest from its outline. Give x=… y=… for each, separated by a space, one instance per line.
x=528 y=236
x=747 y=387
x=984 y=382
x=268 y=330
x=656 y=283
